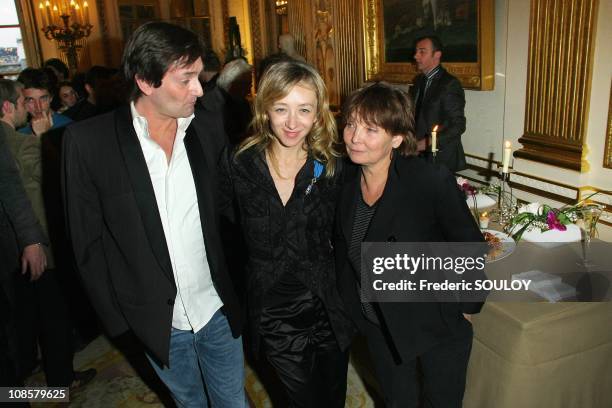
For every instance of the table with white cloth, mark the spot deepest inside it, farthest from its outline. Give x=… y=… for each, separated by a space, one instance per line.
x=545 y=355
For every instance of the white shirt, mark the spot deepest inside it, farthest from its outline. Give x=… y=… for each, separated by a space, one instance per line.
x=196 y=298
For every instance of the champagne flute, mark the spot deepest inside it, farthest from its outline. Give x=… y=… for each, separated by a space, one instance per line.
x=589 y=215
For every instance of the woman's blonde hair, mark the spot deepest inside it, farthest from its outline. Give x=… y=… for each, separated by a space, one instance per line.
x=276 y=84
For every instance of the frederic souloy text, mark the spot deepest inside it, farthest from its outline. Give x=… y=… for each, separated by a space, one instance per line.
x=425 y=285
x=405 y=262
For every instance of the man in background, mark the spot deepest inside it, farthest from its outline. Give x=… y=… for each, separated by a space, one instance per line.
x=39 y=307
x=38 y=94
x=439 y=100
x=229 y=99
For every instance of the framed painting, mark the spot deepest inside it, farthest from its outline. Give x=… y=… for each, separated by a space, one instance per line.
x=465 y=27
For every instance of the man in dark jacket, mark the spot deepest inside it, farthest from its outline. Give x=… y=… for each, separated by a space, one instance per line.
x=439 y=100
x=140 y=204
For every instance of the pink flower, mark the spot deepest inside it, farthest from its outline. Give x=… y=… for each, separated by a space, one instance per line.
x=468 y=189
x=553 y=222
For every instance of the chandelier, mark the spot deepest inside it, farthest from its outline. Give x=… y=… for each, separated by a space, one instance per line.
x=281 y=7
x=66 y=23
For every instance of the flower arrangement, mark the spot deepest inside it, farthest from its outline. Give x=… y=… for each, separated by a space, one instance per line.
x=544 y=218
x=471 y=192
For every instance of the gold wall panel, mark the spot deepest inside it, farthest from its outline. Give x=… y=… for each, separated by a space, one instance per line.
x=608 y=151
x=561 y=43
x=256 y=11
x=329 y=31
x=348 y=47
x=300 y=21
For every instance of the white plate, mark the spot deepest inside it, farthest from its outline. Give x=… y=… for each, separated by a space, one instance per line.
x=507 y=246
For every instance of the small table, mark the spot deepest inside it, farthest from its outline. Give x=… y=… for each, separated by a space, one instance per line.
x=542 y=355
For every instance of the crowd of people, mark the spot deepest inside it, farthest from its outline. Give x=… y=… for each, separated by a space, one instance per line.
x=157 y=197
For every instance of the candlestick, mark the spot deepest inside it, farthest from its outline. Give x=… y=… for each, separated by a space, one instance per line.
x=506 y=157
x=65 y=23
x=434 y=139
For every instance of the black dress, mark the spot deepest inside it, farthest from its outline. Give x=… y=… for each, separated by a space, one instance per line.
x=294 y=308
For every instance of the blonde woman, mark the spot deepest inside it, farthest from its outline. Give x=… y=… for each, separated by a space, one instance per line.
x=283 y=180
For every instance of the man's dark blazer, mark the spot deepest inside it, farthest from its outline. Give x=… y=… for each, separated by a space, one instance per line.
x=116 y=230
x=443 y=105
x=18 y=224
x=420 y=203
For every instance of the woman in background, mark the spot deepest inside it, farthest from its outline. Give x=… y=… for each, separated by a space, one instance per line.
x=284 y=181
x=393 y=196
x=67 y=96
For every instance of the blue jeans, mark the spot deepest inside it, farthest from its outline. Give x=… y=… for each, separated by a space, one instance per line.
x=207 y=362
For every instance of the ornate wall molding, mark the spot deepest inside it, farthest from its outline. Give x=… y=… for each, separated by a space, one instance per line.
x=257 y=16
x=104 y=32
x=348 y=40
x=478 y=168
x=607 y=162
x=325 y=39
x=300 y=18
x=561 y=43
x=529 y=183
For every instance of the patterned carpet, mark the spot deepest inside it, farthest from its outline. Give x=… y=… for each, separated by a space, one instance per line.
x=118 y=385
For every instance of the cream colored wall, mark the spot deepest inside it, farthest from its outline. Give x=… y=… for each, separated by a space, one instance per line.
x=498 y=115
x=485 y=109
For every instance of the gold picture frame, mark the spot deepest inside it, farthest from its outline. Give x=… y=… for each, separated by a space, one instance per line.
x=475 y=72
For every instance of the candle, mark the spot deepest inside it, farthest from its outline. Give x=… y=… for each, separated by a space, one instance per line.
x=506 y=157
x=79 y=14
x=55 y=11
x=48 y=11
x=484 y=220
x=43 y=17
x=86 y=11
x=434 y=139
x=73 y=13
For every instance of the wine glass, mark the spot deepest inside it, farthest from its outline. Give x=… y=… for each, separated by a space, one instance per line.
x=589 y=215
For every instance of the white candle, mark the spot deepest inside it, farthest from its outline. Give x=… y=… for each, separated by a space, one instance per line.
x=49 y=14
x=79 y=15
x=86 y=11
x=434 y=139
x=484 y=220
x=43 y=17
x=506 y=158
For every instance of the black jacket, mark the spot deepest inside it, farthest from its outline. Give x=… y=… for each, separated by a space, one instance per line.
x=420 y=203
x=296 y=238
x=443 y=105
x=116 y=231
